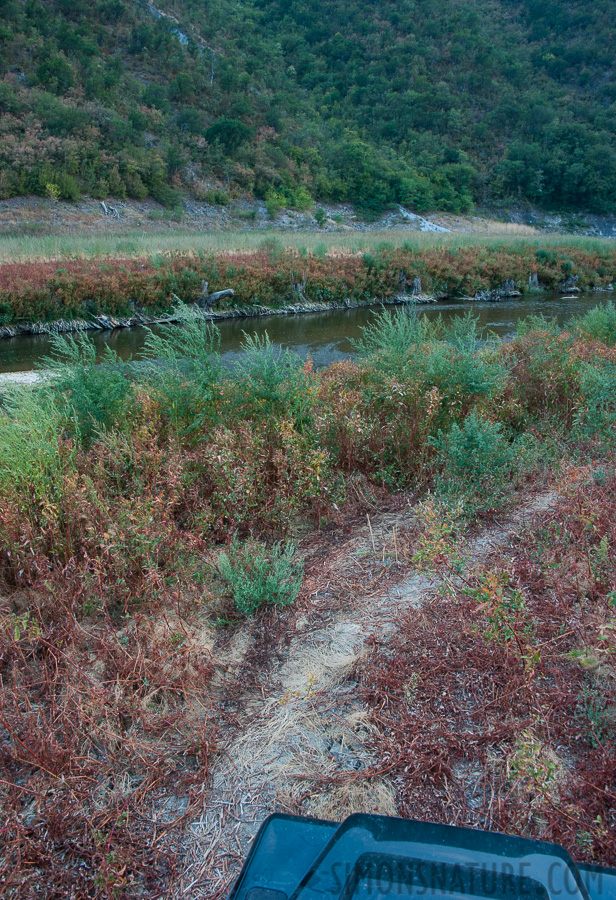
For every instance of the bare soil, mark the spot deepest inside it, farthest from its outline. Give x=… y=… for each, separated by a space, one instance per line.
x=39 y=216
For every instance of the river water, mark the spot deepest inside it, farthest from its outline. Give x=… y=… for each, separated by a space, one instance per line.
x=326 y=336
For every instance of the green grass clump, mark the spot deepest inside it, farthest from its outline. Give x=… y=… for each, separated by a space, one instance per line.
x=596 y=415
x=392 y=335
x=268 y=382
x=33 y=459
x=258 y=575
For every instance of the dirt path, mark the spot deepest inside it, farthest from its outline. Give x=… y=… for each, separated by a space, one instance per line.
x=303 y=743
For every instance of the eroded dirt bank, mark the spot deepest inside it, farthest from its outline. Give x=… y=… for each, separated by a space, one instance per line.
x=36 y=216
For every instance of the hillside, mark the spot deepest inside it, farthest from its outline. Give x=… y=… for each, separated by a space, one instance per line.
x=436 y=105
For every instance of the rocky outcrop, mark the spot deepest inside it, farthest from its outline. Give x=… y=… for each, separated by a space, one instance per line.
x=102 y=323
x=97 y=323
x=415 y=295
x=569 y=285
x=414 y=298
x=506 y=289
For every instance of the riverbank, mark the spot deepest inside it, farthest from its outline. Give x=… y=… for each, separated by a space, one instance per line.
x=82 y=294
x=110 y=323
x=325 y=336
x=220 y=584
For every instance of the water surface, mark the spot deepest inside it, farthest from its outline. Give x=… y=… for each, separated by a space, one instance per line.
x=325 y=336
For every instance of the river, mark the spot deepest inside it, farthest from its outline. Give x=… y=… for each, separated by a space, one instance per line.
x=326 y=336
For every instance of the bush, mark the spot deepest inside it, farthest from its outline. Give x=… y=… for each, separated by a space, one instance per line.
x=167 y=196
x=254 y=477
x=376 y=424
x=217 y=197
x=274 y=202
x=182 y=366
x=477 y=461
x=545 y=373
x=392 y=335
x=69 y=189
x=462 y=377
x=270 y=382
x=257 y=575
x=598 y=324
x=33 y=459
x=320 y=216
x=92 y=396
x=596 y=416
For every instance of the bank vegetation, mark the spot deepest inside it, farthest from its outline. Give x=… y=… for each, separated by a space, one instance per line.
x=121 y=483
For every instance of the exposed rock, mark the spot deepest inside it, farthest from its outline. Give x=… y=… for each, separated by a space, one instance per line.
x=508 y=289
x=533 y=282
x=97 y=323
x=487 y=296
x=569 y=285
x=415 y=298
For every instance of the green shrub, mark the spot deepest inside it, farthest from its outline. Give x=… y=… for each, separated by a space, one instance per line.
x=166 y=196
x=274 y=202
x=596 y=416
x=529 y=324
x=257 y=575
x=392 y=335
x=598 y=324
x=33 y=460
x=69 y=189
x=320 y=216
x=92 y=396
x=544 y=374
x=269 y=382
x=461 y=367
x=462 y=376
x=216 y=197
x=182 y=365
x=477 y=461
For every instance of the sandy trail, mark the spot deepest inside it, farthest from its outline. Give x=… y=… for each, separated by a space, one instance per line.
x=303 y=745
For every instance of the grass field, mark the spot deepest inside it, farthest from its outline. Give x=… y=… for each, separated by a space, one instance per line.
x=141 y=243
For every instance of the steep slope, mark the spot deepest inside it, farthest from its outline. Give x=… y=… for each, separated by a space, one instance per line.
x=436 y=104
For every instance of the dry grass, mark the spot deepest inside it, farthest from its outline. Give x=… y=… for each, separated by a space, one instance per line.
x=143 y=244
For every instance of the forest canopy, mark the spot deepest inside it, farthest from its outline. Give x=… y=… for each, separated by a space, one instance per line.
x=433 y=104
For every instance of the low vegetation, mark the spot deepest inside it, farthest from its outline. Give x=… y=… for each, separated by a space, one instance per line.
x=514 y=731
x=120 y=484
x=274 y=276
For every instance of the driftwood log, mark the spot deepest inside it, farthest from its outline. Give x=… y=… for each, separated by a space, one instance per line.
x=207 y=300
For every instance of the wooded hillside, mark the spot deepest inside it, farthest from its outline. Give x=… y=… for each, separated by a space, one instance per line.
x=435 y=104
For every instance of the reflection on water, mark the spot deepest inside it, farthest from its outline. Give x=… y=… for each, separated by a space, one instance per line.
x=326 y=336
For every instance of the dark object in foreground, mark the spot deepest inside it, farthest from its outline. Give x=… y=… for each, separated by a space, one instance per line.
x=294 y=858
